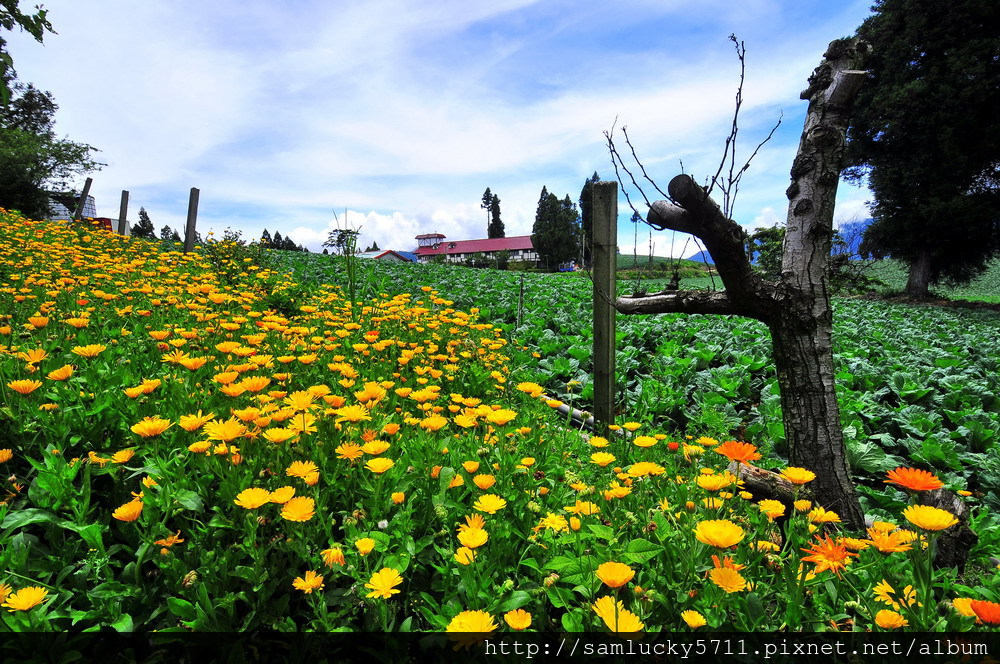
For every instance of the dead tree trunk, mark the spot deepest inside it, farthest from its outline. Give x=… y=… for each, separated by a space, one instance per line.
x=796 y=308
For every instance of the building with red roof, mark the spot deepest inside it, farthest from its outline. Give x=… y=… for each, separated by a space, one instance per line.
x=459 y=251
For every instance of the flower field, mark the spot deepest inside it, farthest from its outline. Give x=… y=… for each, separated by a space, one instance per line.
x=202 y=442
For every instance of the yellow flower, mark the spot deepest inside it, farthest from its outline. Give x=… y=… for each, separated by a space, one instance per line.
x=92 y=350
x=716 y=482
x=484 y=482
x=130 y=511
x=194 y=422
x=727 y=578
x=532 y=389
x=890 y=619
x=365 y=545
x=24 y=386
x=433 y=423
x=926 y=517
x=224 y=431
x=353 y=414
x=821 y=515
x=62 y=373
x=464 y=555
x=6 y=454
x=644 y=441
x=349 y=451
x=26 y=598
x=252 y=498
x=301 y=469
x=278 y=435
x=602 y=459
x=122 y=456
x=398 y=497
x=311 y=582
x=379 y=465
x=383 y=583
x=501 y=417
x=614 y=575
x=300 y=508
x=472 y=622
x=490 y=503
x=887 y=595
x=889 y=542
x=693 y=619
x=583 y=507
x=798 y=475
x=772 y=508
x=518 y=619
x=333 y=556
x=473 y=537
x=375 y=447
x=720 y=533
x=615 y=616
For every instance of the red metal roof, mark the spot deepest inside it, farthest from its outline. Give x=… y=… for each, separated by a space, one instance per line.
x=472 y=246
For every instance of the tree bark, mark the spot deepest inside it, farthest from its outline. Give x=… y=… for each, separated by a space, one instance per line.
x=797 y=307
x=918 y=283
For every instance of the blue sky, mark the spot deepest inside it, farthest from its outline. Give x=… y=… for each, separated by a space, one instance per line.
x=402 y=113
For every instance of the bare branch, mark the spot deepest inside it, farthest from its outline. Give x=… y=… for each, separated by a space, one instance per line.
x=690 y=302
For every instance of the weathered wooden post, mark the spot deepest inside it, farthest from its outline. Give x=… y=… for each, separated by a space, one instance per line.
x=78 y=214
x=192 y=219
x=123 y=213
x=605 y=254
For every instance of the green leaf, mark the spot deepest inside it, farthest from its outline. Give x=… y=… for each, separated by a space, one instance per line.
x=189 y=500
x=603 y=532
x=639 y=551
x=517 y=599
x=181 y=608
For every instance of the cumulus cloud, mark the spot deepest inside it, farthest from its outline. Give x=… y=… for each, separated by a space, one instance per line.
x=403 y=113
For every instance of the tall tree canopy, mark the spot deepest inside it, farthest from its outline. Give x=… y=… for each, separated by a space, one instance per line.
x=925 y=133
x=144 y=228
x=35 y=24
x=496 y=228
x=587 y=215
x=556 y=232
x=491 y=203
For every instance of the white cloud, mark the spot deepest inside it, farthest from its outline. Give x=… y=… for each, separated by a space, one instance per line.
x=405 y=112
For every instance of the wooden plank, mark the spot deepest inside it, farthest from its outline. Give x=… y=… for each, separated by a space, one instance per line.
x=605 y=254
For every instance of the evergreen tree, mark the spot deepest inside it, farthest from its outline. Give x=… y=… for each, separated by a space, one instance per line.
x=278 y=241
x=925 y=132
x=166 y=233
x=144 y=228
x=487 y=204
x=555 y=234
x=587 y=216
x=496 y=228
x=175 y=237
x=265 y=238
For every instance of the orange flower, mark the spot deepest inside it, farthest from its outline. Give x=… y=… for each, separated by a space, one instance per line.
x=151 y=426
x=334 y=556
x=913 y=479
x=615 y=575
x=130 y=511
x=24 y=386
x=988 y=612
x=62 y=373
x=736 y=451
x=828 y=555
x=311 y=582
x=300 y=508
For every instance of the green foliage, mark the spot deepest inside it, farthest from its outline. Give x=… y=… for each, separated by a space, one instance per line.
x=926 y=135
x=556 y=232
x=144 y=228
x=491 y=203
x=587 y=216
x=35 y=24
x=766 y=249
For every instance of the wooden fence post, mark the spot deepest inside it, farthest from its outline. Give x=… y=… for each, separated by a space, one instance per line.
x=78 y=214
x=605 y=254
x=191 y=220
x=123 y=213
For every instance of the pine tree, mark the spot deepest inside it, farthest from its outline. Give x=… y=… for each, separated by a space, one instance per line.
x=496 y=228
x=166 y=233
x=487 y=204
x=144 y=228
x=925 y=133
x=278 y=241
x=265 y=238
x=555 y=234
x=587 y=216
